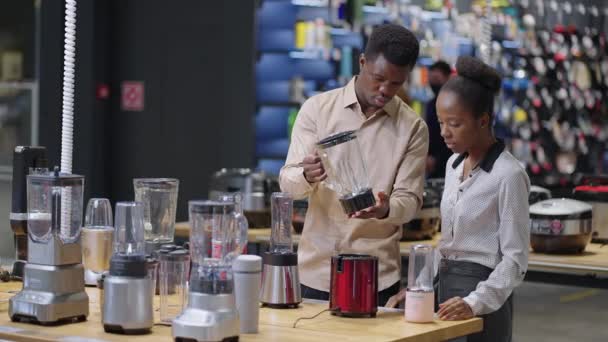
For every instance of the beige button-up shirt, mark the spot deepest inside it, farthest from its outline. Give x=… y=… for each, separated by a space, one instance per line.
x=394 y=144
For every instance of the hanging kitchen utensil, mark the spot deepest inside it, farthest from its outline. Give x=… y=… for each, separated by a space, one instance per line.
x=580 y=75
x=565 y=162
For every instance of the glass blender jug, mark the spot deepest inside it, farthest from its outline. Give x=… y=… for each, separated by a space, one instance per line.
x=241 y=221
x=159 y=197
x=53 y=286
x=346 y=171
x=97 y=239
x=211 y=311
x=127 y=307
x=55 y=206
x=420 y=297
x=281 y=207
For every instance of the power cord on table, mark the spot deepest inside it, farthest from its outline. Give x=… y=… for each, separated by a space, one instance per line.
x=312 y=317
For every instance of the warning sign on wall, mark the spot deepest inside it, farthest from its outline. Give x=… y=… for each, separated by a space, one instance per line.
x=132 y=96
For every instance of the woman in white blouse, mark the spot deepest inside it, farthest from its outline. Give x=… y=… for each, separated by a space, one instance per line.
x=483 y=252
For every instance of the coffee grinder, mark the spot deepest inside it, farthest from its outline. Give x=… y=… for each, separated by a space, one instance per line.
x=25 y=158
x=53 y=282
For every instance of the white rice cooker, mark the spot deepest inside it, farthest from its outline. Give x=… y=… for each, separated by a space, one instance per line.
x=560 y=225
x=597 y=197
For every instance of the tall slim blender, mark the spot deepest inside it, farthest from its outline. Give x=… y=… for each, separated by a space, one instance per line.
x=211 y=313
x=53 y=284
x=280 y=277
x=128 y=291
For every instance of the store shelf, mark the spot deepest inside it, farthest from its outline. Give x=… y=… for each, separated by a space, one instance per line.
x=19 y=85
x=277 y=92
x=279 y=62
x=310 y=3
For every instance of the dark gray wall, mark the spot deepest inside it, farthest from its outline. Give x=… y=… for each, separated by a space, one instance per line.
x=196 y=59
x=17 y=31
x=89 y=115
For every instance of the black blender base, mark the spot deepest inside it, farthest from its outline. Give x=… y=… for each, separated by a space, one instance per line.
x=117 y=329
x=362 y=200
x=34 y=320
x=18 y=267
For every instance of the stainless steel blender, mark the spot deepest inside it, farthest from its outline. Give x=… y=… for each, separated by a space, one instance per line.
x=53 y=284
x=211 y=314
x=128 y=291
x=280 y=277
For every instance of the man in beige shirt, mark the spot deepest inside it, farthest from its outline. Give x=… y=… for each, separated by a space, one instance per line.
x=394 y=144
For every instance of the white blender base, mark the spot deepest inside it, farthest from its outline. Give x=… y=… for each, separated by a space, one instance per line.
x=207 y=318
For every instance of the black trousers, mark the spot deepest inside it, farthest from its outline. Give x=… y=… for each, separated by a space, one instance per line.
x=458 y=279
x=383 y=296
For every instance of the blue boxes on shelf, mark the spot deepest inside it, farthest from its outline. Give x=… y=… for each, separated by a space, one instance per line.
x=270 y=166
x=271 y=123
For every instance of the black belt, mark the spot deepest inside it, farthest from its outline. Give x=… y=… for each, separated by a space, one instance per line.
x=465 y=268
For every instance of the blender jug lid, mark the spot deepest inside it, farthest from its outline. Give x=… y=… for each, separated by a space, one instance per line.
x=56 y=178
x=211 y=207
x=337 y=139
x=176 y=255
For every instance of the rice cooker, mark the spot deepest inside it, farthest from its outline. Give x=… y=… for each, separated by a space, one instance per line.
x=256 y=187
x=560 y=225
x=597 y=197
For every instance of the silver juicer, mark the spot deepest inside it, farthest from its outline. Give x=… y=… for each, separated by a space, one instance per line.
x=53 y=284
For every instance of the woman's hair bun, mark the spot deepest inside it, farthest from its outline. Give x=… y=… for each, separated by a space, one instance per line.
x=477 y=71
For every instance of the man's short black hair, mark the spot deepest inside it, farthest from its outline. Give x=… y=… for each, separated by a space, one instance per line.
x=442 y=67
x=397 y=44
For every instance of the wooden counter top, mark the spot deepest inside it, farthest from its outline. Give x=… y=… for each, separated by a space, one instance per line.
x=275 y=325
x=593 y=261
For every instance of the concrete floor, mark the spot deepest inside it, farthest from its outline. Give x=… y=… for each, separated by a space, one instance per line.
x=555 y=313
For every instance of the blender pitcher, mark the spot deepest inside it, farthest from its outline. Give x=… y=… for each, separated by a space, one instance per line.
x=242 y=225
x=280 y=234
x=53 y=198
x=346 y=171
x=159 y=197
x=420 y=295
